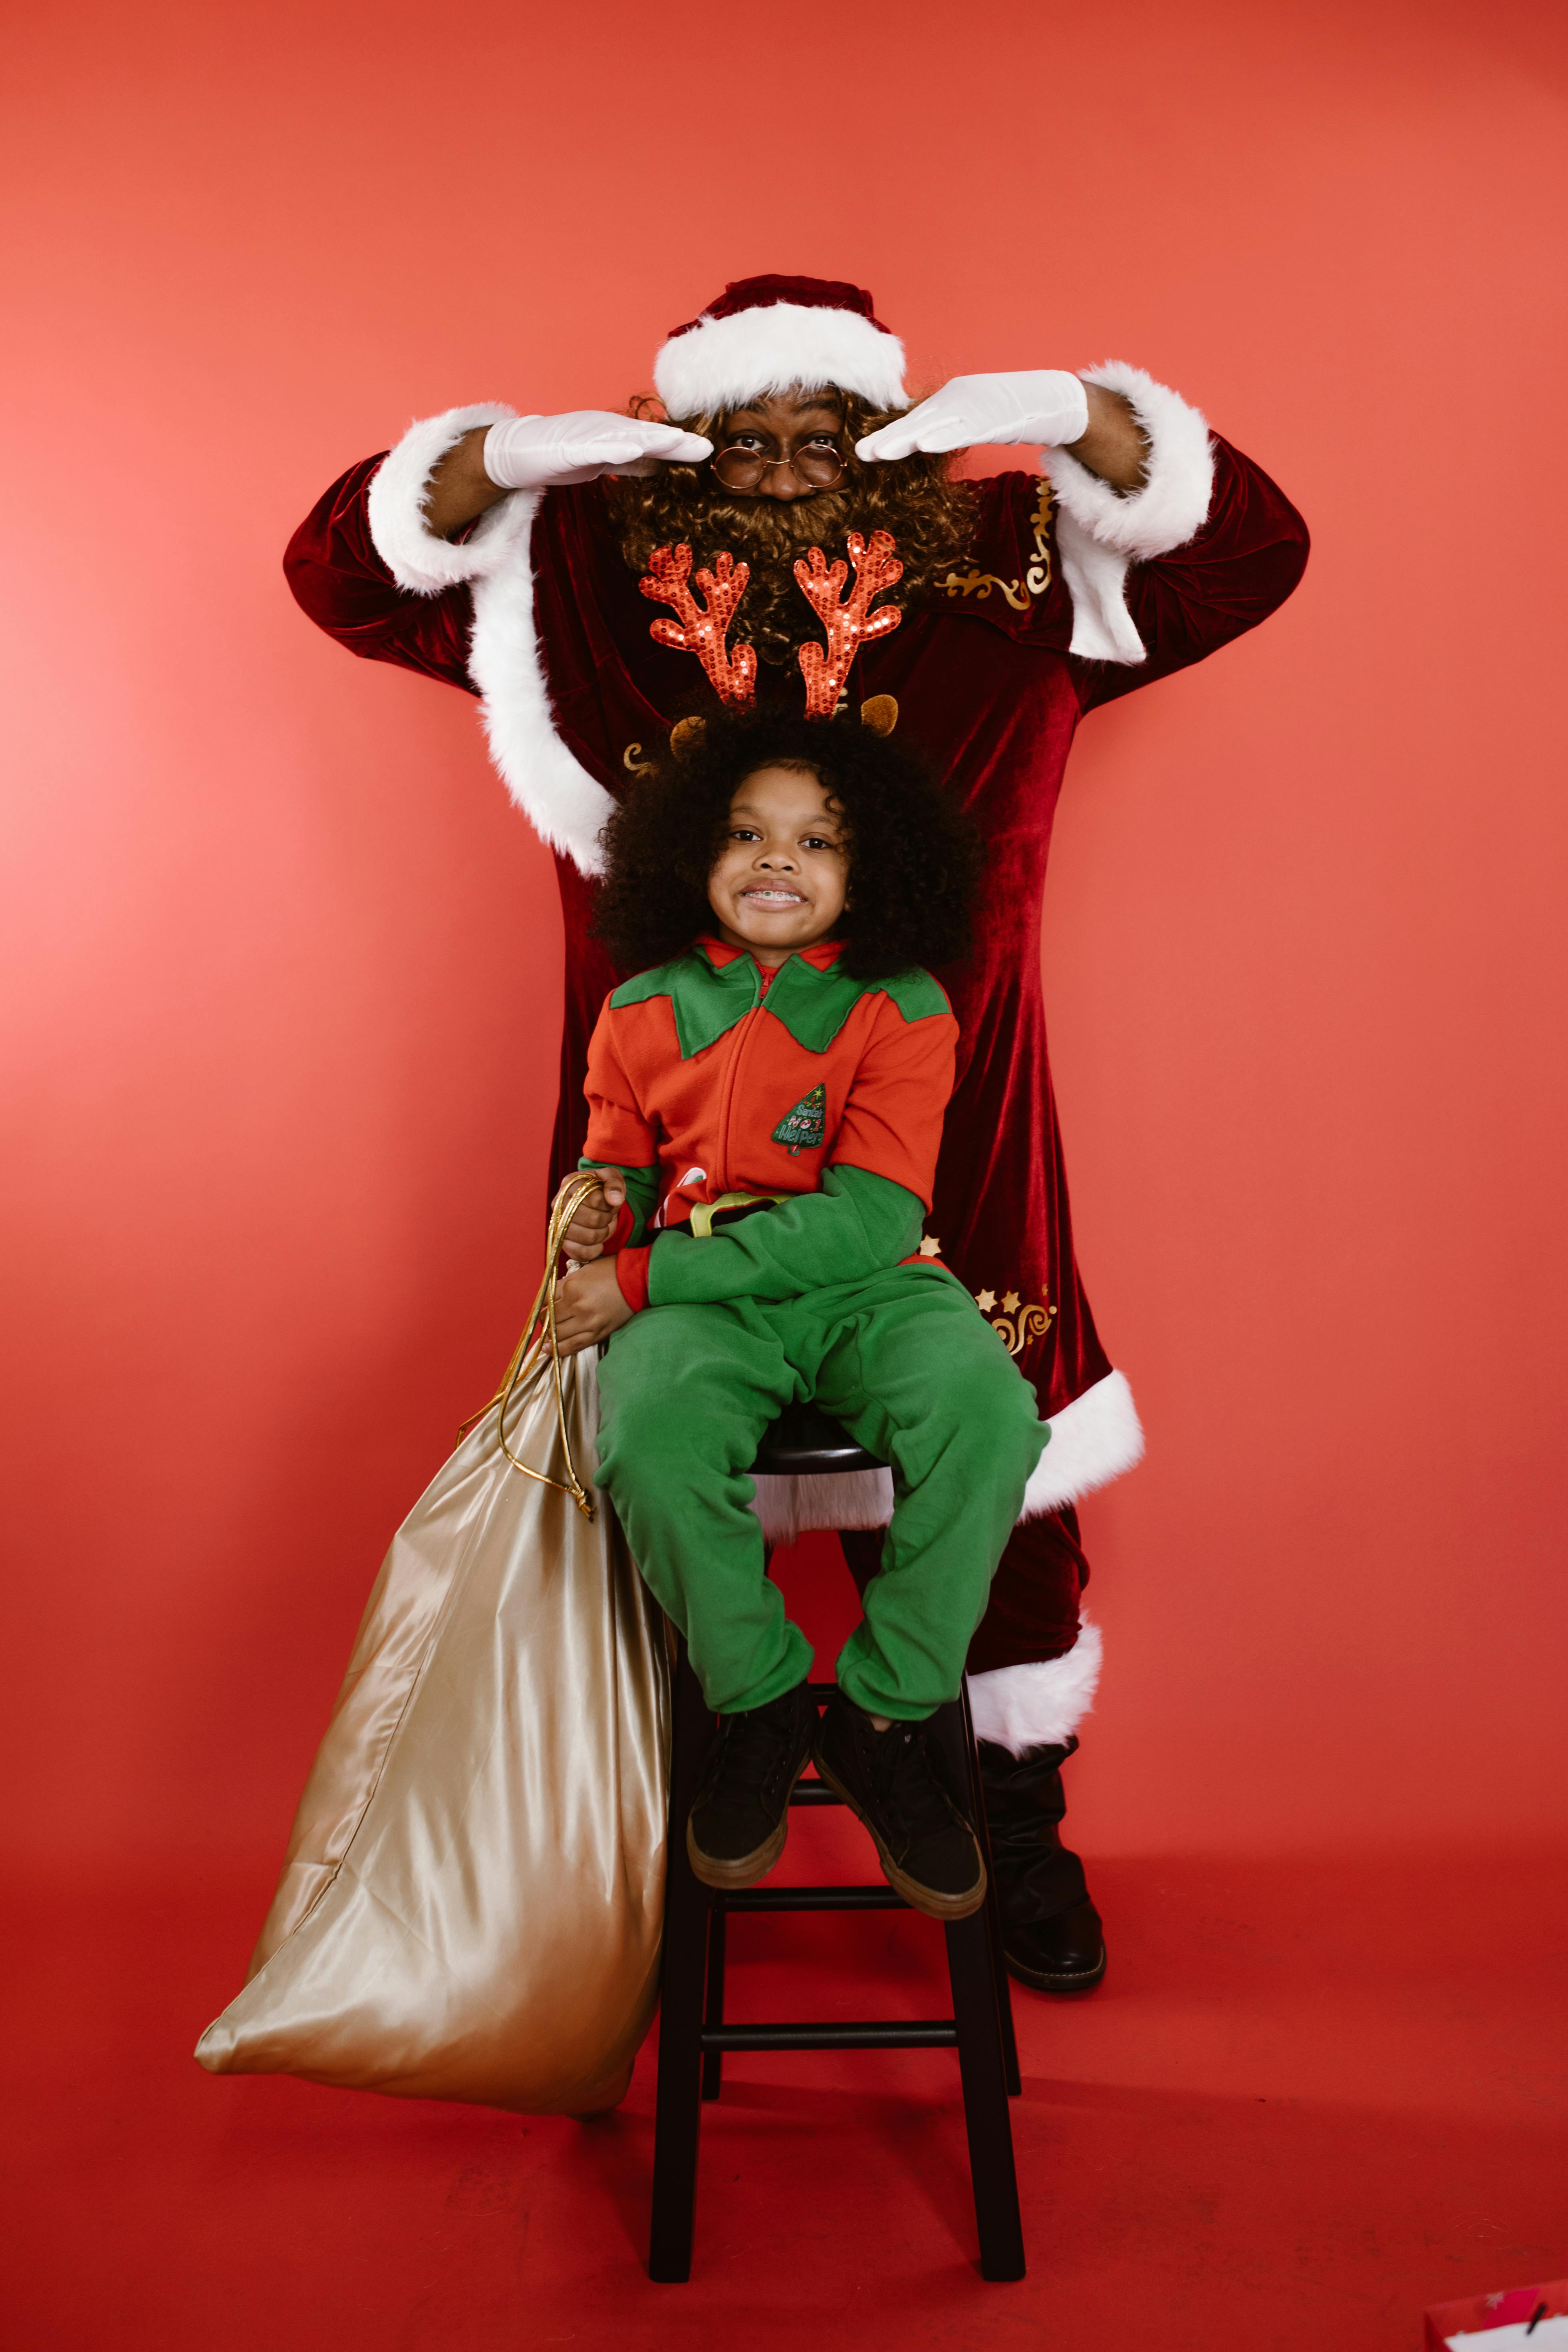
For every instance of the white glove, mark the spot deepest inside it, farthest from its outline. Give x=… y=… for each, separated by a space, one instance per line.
x=527 y=453
x=1046 y=406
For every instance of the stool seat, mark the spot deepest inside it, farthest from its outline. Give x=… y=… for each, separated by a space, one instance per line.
x=804 y=1443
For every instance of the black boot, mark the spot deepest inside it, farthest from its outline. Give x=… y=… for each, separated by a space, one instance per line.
x=740 y=1817
x=1051 y=1935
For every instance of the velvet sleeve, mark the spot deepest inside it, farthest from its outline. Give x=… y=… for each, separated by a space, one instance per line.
x=1240 y=566
x=341 y=582
x=855 y=1225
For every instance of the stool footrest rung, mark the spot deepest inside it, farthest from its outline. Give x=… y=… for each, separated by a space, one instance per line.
x=815 y=1898
x=812 y=1792
x=850 y=2033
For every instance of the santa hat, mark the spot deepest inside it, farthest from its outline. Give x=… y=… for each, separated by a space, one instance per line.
x=766 y=334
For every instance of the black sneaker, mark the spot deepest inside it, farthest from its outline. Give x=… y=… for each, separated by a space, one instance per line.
x=739 y=1822
x=896 y=1782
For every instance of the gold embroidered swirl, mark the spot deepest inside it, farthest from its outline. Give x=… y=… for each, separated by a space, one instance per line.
x=1017 y=1322
x=1036 y=573
x=979 y=586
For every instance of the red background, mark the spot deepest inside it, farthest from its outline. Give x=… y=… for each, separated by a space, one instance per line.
x=283 y=1022
x=280 y=1013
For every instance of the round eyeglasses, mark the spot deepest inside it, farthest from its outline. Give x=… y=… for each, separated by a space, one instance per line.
x=818 y=465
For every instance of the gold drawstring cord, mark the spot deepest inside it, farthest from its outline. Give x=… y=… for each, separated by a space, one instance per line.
x=538 y=1344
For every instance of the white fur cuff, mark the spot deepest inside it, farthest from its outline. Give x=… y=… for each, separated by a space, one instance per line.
x=1039 y=1706
x=417 y=558
x=1179 y=472
x=1100 y=532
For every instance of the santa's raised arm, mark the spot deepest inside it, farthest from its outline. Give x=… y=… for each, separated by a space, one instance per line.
x=504 y=554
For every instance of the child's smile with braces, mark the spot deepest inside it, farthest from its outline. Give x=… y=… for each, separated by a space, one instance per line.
x=780 y=880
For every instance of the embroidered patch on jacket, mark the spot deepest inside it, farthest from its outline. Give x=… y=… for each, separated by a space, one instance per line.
x=804 y=1128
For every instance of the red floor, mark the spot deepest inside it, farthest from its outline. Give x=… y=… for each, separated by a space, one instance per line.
x=1306 y=2103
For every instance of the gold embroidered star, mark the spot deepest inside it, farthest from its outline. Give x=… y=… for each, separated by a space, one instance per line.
x=1010 y=1302
x=986 y=1300
x=931 y=1246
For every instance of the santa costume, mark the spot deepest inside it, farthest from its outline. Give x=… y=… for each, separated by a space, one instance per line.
x=1070 y=594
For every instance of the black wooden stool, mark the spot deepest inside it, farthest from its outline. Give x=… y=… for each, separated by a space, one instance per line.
x=693 y=2036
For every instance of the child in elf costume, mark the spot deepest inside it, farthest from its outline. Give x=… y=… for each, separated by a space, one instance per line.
x=767 y=1104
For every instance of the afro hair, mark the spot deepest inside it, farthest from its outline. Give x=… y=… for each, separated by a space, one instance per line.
x=914 y=856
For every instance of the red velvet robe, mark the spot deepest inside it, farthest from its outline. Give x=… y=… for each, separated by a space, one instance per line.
x=990 y=693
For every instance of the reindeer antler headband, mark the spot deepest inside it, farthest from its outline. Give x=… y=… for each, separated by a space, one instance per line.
x=734 y=676
x=847 y=622
x=849 y=625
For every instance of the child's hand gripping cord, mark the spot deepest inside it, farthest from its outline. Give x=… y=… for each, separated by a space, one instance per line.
x=589 y=1306
x=592 y=1227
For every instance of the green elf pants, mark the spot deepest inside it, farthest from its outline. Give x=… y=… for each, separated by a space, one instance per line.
x=905 y=1360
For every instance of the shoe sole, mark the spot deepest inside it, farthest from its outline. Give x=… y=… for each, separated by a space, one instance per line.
x=920 y=1898
x=730 y=1877
x=1060 y=1982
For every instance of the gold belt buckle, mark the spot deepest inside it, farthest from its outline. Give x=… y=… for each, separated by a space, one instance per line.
x=702 y=1214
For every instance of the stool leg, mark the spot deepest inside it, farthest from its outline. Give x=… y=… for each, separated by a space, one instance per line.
x=677 y=2109
x=713 y=2011
x=1004 y=1984
x=986 y=2120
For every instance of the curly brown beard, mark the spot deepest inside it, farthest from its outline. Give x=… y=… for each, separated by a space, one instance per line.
x=930 y=515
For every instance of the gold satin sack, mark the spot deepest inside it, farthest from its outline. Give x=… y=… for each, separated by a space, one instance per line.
x=473 y=1897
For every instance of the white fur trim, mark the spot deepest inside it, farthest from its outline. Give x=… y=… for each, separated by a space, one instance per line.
x=1102 y=628
x=566 y=806
x=1178 y=480
x=841 y=1498
x=1094 y=1439
x=417 y=558
x=1100 y=532
x=1041 y=1704
x=723 y=362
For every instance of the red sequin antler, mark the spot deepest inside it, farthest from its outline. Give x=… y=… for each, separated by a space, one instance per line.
x=733 y=675
x=848 y=625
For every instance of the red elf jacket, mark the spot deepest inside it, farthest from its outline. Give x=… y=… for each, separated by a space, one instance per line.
x=712 y=1081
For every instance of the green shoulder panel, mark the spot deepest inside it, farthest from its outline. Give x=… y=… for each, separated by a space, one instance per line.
x=917 y=996
x=659 y=981
x=812 y=1006
x=705 y=1002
